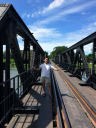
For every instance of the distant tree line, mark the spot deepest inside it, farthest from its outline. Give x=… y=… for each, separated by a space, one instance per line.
x=89 y=58
x=57 y=50
x=61 y=49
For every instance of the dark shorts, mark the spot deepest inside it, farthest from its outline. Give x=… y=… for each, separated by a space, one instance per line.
x=46 y=80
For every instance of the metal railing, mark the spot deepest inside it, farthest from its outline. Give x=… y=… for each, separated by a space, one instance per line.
x=62 y=120
x=10 y=98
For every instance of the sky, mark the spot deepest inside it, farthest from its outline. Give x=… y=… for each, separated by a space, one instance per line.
x=57 y=22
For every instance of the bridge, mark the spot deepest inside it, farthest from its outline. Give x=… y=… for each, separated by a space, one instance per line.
x=73 y=101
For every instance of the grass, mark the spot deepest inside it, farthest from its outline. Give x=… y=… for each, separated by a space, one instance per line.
x=12 y=62
x=90 y=65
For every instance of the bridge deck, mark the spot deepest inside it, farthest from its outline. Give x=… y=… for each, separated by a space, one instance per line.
x=34 y=98
x=86 y=91
x=75 y=112
x=78 y=117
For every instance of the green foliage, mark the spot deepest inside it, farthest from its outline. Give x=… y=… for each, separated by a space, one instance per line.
x=46 y=53
x=4 y=54
x=57 y=50
x=89 y=57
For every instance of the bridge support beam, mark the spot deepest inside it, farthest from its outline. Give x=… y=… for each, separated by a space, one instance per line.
x=1 y=76
x=1 y=62
x=26 y=54
x=94 y=57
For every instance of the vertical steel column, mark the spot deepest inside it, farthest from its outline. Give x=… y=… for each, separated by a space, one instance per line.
x=7 y=63
x=25 y=54
x=7 y=71
x=94 y=57
x=62 y=58
x=72 y=60
x=32 y=59
x=59 y=59
x=12 y=31
x=40 y=59
x=81 y=62
x=72 y=56
x=1 y=77
x=15 y=47
x=36 y=56
x=1 y=62
x=29 y=58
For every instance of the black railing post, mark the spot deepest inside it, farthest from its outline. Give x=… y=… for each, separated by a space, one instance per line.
x=13 y=94
x=18 y=86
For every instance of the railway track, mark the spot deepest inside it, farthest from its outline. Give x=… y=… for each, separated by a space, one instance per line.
x=87 y=107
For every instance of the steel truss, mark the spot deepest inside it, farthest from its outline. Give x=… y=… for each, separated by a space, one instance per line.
x=74 y=60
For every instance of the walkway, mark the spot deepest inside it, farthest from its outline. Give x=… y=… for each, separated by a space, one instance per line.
x=41 y=120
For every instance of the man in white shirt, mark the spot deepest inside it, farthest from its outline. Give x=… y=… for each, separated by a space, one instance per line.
x=45 y=74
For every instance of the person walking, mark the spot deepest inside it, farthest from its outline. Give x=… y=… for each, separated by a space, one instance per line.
x=45 y=75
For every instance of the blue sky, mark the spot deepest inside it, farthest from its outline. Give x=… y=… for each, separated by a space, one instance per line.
x=57 y=22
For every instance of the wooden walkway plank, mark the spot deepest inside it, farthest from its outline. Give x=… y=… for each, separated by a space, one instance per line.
x=35 y=98
x=45 y=115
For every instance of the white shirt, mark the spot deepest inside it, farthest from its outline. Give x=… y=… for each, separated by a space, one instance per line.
x=45 y=70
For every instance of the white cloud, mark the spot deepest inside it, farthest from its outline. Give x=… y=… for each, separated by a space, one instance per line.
x=53 y=5
x=85 y=31
x=43 y=32
x=68 y=11
x=48 y=46
x=49 y=38
x=29 y=15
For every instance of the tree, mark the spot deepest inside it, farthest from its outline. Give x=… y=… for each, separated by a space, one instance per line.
x=46 y=53
x=89 y=57
x=57 y=50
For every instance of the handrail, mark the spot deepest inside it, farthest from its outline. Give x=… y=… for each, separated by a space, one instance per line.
x=62 y=116
x=15 y=92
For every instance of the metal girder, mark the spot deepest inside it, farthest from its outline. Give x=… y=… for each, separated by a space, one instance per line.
x=94 y=57
x=82 y=42
x=22 y=29
x=8 y=12
x=11 y=34
x=10 y=25
x=76 y=63
x=1 y=62
x=26 y=54
x=81 y=51
x=68 y=58
x=80 y=63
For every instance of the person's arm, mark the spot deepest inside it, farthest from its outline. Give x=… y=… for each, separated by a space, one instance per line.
x=56 y=69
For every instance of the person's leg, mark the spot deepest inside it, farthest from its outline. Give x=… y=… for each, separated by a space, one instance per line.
x=48 y=83
x=43 y=85
x=50 y=94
